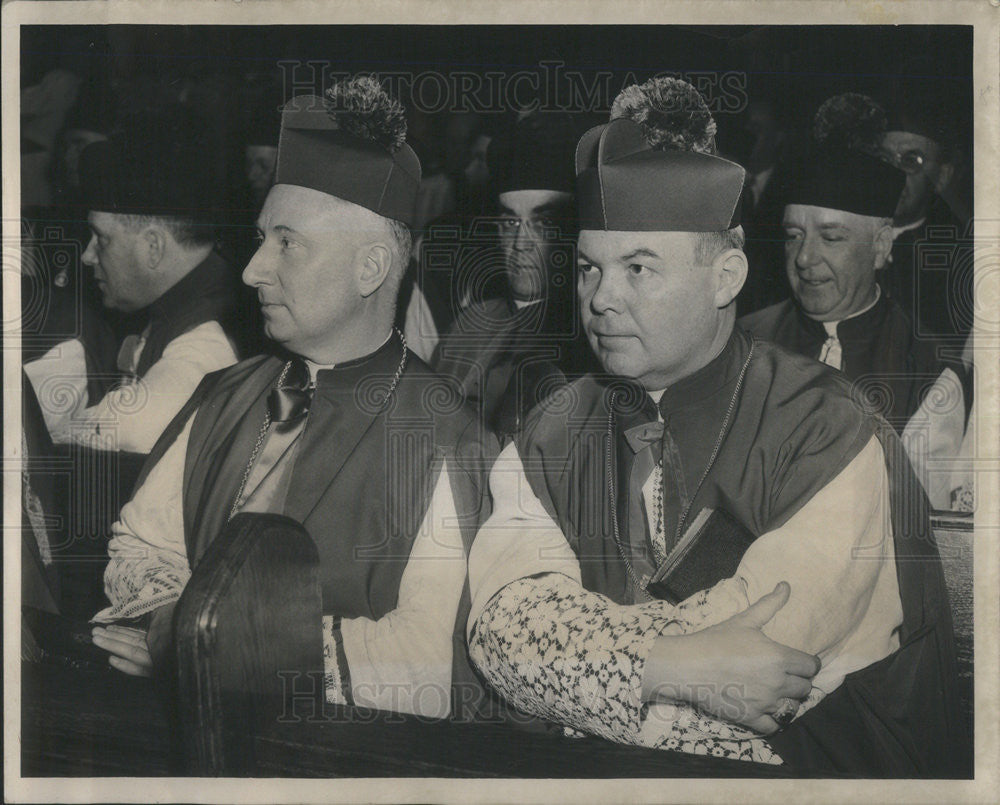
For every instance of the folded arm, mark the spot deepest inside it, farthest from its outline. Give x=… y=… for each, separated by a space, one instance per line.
x=842 y=607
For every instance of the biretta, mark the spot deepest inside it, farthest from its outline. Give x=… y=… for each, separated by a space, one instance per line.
x=535 y=154
x=157 y=165
x=624 y=185
x=328 y=150
x=842 y=179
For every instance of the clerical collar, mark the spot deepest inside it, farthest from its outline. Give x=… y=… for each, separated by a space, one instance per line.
x=831 y=326
x=316 y=368
x=713 y=376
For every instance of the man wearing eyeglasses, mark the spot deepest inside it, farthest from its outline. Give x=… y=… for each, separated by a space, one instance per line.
x=505 y=353
x=930 y=273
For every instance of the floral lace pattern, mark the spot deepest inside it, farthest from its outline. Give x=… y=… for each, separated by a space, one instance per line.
x=574 y=657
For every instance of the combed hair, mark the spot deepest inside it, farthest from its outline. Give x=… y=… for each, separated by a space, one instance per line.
x=710 y=244
x=187 y=232
x=403 y=241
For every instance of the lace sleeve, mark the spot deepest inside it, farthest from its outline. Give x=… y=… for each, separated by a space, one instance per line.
x=571 y=656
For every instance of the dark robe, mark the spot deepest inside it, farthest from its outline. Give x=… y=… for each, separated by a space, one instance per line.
x=794 y=427
x=506 y=359
x=890 y=366
x=362 y=479
x=930 y=275
x=209 y=292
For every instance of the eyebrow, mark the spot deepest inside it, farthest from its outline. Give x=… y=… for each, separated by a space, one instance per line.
x=642 y=251
x=279 y=228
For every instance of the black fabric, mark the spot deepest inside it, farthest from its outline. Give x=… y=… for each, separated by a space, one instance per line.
x=505 y=360
x=209 y=292
x=159 y=165
x=891 y=368
x=838 y=178
x=536 y=154
x=930 y=275
x=289 y=402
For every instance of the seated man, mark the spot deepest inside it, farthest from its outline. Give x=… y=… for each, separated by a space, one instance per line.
x=346 y=432
x=838 y=227
x=505 y=352
x=639 y=516
x=151 y=250
x=930 y=271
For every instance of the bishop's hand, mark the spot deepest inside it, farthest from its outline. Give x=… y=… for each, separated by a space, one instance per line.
x=134 y=651
x=732 y=670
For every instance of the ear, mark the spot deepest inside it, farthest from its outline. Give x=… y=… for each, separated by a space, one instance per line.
x=731 y=268
x=376 y=262
x=883 y=245
x=153 y=245
x=945 y=174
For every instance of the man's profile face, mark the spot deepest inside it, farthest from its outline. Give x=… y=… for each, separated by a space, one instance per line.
x=304 y=267
x=115 y=253
x=533 y=227
x=921 y=159
x=647 y=307
x=830 y=259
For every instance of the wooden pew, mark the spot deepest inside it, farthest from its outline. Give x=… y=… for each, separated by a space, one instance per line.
x=250 y=689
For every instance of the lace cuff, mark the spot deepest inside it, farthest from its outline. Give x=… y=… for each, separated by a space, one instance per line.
x=576 y=658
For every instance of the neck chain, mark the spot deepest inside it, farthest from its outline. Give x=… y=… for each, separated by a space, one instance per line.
x=266 y=424
x=661 y=535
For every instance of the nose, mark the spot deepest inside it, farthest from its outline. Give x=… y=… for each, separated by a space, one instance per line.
x=606 y=296
x=807 y=254
x=257 y=271
x=89 y=257
x=524 y=239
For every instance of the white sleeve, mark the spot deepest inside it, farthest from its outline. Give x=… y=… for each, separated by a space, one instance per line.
x=403 y=661
x=59 y=379
x=519 y=540
x=148 y=564
x=933 y=437
x=132 y=417
x=837 y=555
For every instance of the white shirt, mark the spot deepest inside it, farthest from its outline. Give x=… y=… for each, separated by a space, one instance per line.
x=132 y=416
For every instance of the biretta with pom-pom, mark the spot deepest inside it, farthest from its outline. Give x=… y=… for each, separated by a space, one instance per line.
x=354 y=153
x=625 y=185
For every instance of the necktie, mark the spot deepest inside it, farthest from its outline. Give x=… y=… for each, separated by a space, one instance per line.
x=289 y=401
x=651 y=440
x=267 y=479
x=830 y=353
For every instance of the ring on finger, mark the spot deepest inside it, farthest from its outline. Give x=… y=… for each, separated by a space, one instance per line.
x=787 y=709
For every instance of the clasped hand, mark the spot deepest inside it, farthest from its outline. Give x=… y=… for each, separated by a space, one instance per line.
x=732 y=670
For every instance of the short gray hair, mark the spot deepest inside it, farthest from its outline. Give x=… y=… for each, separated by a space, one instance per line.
x=709 y=244
x=186 y=231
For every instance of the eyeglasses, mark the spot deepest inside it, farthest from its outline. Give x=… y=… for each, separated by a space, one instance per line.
x=907 y=161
